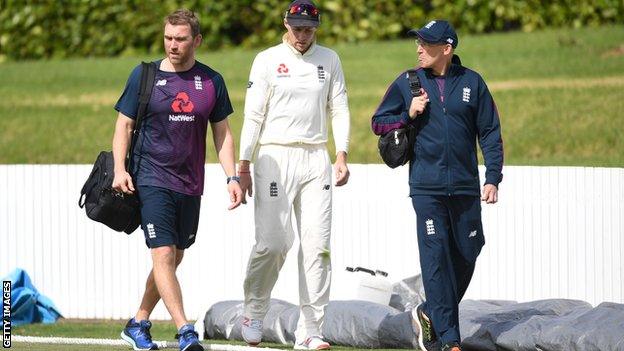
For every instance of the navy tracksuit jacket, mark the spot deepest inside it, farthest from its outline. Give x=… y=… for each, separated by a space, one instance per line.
x=444 y=180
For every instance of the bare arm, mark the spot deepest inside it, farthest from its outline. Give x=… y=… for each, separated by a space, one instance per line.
x=121 y=143
x=224 y=144
x=246 y=181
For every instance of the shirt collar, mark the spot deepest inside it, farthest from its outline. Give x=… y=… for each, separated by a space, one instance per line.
x=310 y=51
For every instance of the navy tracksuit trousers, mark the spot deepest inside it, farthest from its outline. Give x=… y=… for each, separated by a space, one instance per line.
x=450 y=237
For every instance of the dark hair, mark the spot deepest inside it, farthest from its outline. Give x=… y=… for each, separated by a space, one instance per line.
x=184 y=16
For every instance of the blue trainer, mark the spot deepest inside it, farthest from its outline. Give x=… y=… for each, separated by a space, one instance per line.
x=138 y=335
x=189 y=339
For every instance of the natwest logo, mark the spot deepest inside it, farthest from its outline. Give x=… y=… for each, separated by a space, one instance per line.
x=282 y=69
x=182 y=103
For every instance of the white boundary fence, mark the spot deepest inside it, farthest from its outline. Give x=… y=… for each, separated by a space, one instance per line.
x=557 y=232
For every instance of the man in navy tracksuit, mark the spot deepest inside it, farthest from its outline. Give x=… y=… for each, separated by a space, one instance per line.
x=453 y=112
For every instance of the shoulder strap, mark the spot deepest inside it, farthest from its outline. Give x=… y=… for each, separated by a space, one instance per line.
x=414 y=82
x=148 y=75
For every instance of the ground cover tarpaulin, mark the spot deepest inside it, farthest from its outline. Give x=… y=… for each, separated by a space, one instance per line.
x=554 y=324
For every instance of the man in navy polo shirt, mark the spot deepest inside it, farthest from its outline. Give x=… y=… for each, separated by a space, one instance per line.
x=454 y=111
x=169 y=166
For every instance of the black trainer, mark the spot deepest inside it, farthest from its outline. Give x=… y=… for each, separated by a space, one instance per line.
x=427 y=339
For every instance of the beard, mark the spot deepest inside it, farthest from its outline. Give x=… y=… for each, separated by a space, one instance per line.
x=178 y=58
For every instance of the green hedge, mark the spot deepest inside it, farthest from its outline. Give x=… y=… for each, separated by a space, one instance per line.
x=42 y=29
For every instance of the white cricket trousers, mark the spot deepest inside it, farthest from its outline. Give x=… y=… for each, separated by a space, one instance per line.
x=287 y=178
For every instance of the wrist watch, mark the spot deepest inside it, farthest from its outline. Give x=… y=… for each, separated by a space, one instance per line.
x=235 y=178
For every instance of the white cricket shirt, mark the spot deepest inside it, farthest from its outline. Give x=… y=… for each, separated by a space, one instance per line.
x=291 y=96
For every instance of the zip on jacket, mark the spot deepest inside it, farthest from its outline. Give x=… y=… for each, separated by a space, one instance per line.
x=445 y=152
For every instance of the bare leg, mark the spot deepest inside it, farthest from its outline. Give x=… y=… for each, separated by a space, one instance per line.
x=151 y=295
x=165 y=260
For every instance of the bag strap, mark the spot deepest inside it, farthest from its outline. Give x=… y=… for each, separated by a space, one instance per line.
x=414 y=84
x=86 y=188
x=148 y=75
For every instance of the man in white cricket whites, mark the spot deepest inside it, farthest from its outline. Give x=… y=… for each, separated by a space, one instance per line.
x=294 y=89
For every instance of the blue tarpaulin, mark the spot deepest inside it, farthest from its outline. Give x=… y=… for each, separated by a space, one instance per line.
x=27 y=305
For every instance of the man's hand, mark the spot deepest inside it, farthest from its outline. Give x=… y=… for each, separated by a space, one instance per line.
x=123 y=182
x=490 y=194
x=419 y=104
x=246 y=183
x=236 y=194
x=340 y=169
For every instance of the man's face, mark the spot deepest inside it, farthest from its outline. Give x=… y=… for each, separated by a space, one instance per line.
x=179 y=43
x=430 y=55
x=300 y=37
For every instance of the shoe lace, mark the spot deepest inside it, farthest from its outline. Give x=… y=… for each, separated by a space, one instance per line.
x=255 y=323
x=144 y=328
x=188 y=335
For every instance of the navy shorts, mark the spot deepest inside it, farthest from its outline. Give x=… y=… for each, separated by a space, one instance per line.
x=168 y=217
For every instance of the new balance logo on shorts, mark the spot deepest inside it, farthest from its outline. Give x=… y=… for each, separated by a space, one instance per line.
x=273 y=189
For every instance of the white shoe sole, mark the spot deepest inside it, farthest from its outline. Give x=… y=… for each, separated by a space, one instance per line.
x=320 y=347
x=416 y=322
x=252 y=342
x=129 y=340
x=297 y=347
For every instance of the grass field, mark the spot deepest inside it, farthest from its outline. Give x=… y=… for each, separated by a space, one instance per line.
x=560 y=94
x=107 y=329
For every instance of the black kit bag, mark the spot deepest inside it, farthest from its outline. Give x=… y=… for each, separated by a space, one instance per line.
x=119 y=211
x=396 y=146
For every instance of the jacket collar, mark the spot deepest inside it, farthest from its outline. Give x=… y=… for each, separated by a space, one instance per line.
x=452 y=78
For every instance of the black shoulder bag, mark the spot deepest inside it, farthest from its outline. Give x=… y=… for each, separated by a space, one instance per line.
x=396 y=146
x=119 y=211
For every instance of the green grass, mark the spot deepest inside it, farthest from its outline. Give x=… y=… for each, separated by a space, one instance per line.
x=108 y=329
x=559 y=93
